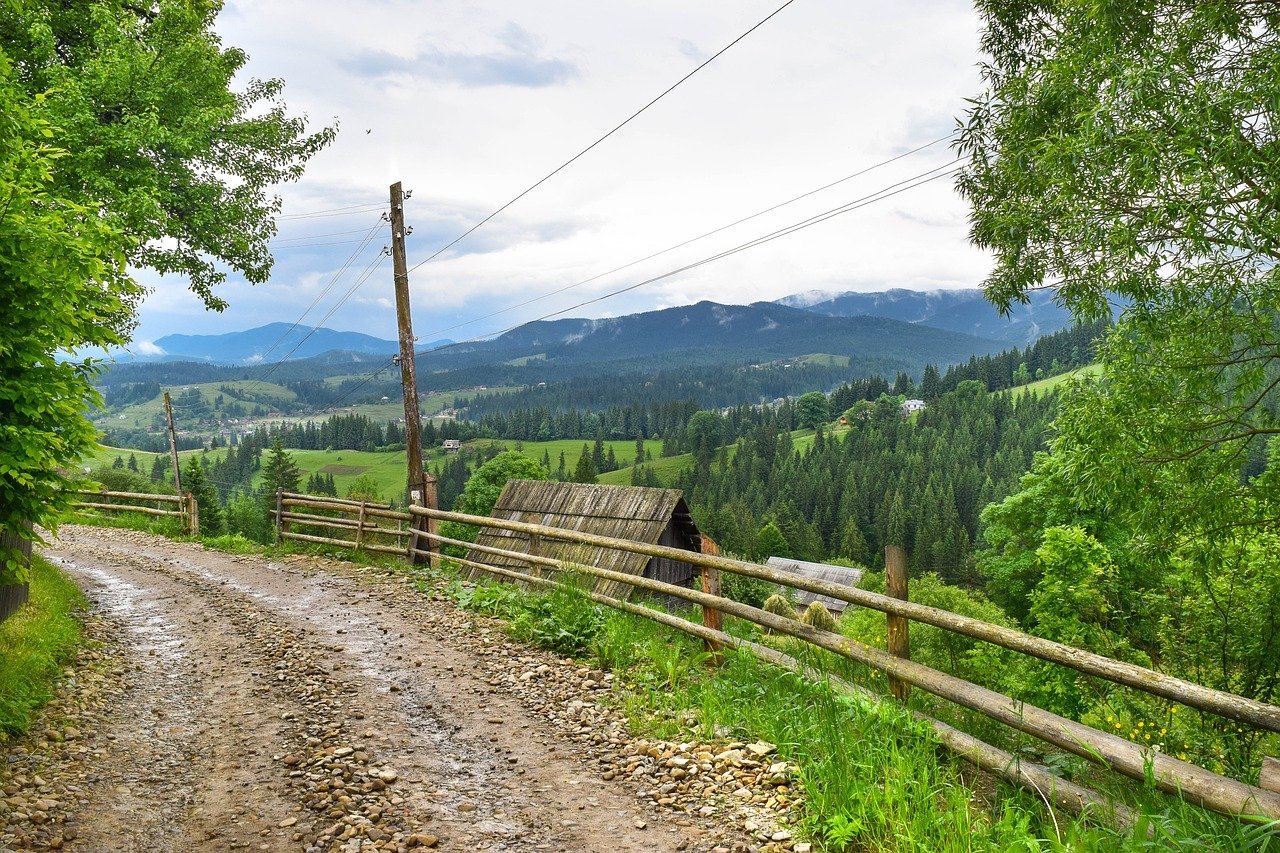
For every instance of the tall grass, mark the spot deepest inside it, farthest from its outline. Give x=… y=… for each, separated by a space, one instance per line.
x=35 y=643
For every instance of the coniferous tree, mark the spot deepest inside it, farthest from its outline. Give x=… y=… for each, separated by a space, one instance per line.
x=585 y=471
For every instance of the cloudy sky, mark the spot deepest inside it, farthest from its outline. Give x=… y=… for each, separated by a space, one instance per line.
x=468 y=103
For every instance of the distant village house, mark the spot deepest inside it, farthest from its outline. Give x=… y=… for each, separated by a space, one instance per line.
x=452 y=445
x=910 y=407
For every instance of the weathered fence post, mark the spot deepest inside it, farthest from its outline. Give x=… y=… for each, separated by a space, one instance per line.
x=710 y=576
x=14 y=595
x=431 y=498
x=535 y=550
x=712 y=618
x=1269 y=777
x=279 y=514
x=193 y=513
x=360 y=526
x=897 y=634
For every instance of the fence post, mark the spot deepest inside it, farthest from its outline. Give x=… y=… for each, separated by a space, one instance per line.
x=711 y=617
x=279 y=514
x=193 y=513
x=1269 y=778
x=899 y=641
x=431 y=498
x=535 y=550
x=360 y=526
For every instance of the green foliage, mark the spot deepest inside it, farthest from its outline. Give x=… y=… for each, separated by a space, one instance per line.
x=280 y=472
x=563 y=620
x=484 y=487
x=364 y=488
x=585 y=471
x=38 y=641
x=62 y=272
x=244 y=517
x=163 y=144
x=812 y=409
x=195 y=482
x=745 y=589
x=171 y=172
x=938 y=648
x=770 y=542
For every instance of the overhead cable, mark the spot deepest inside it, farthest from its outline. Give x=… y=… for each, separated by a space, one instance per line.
x=614 y=130
x=692 y=240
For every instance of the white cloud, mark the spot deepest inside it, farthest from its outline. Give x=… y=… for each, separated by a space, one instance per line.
x=470 y=103
x=146 y=348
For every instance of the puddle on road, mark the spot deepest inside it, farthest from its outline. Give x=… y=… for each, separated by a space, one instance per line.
x=137 y=611
x=363 y=639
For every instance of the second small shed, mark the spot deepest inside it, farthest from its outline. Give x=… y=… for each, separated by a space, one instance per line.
x=842 y=575
x=636 y=513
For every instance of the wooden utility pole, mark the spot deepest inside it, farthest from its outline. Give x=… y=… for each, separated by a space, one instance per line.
x=173 y=445
x=408 y=373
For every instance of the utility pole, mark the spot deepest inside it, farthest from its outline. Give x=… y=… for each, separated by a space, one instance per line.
x=173 y=444
x=418 y=492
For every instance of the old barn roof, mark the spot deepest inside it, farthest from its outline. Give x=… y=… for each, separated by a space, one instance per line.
x=624 y=512
x=818 y=571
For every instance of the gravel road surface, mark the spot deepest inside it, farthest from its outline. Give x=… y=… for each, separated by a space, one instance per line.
x=302 y=704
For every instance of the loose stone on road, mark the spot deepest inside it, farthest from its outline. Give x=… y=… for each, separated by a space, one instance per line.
x=241 y=703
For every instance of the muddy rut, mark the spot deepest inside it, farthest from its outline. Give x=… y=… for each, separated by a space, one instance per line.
x=285 y=705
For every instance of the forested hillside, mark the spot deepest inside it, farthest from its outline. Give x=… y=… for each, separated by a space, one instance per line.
x=916 y=482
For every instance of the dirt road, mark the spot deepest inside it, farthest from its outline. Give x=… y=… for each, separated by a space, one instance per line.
x=294 y=705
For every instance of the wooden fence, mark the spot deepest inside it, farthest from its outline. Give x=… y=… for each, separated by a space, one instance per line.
x=1194 y=783
x=368 y=531
x=185 y=507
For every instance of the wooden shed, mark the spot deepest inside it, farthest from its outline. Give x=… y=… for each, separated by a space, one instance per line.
x=842 y=575
x=652 y=516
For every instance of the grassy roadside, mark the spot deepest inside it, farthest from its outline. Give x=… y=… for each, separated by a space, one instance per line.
x=35 y=643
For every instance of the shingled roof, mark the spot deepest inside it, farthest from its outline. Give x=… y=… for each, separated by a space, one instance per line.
x=635 y=513
x=842 y=575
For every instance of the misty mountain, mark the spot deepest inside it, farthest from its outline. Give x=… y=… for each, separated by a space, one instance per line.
x=965 y=311
x=273 y=342
x=710 y=333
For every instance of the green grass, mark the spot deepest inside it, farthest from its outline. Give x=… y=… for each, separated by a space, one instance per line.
x=825 y=359
x=35 y=644
x=1049 y=383
x=527 y=359
x=623 y=450
x=150 y=413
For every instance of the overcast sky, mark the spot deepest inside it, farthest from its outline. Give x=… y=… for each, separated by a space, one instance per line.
x=469 y=103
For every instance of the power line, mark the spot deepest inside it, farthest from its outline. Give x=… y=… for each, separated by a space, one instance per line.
x=319 y=236
x=889 y=191
x=692 y=240
x=863 y=201
x=615 y=129
x=333 y=280
x=350 y=210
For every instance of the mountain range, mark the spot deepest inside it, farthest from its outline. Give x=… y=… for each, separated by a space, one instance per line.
x=269 y=343
x=711 y=333
x=705 y=332
x=966 y=311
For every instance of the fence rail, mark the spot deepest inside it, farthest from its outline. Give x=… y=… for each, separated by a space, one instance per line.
x=361 y=528
x=1189 y=781
x=187 y=508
